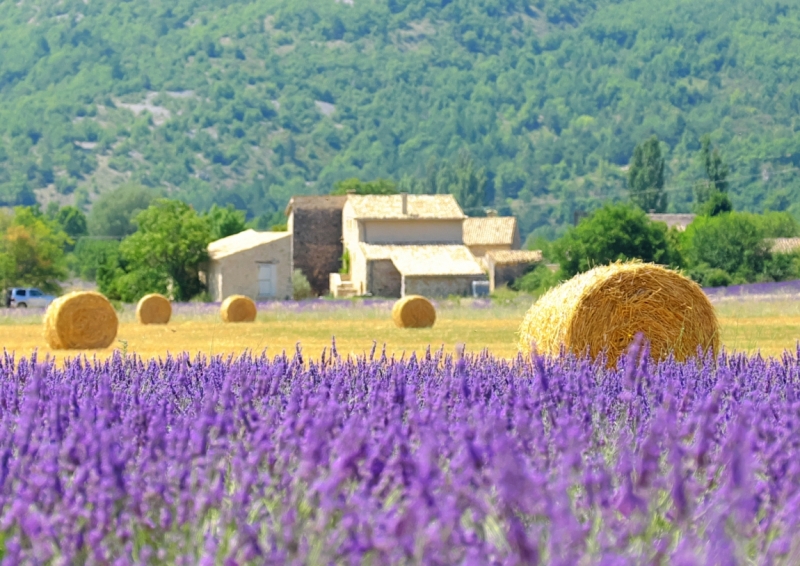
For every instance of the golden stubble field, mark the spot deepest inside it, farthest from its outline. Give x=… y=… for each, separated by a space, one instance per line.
x=767 y=327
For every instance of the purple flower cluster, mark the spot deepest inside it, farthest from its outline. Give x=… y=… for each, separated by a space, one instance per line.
x=429 y=460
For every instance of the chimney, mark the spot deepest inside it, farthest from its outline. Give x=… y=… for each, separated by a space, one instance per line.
x=491 y=213
x=404 y=203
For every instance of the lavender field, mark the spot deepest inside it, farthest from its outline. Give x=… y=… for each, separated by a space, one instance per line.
x=375 y=460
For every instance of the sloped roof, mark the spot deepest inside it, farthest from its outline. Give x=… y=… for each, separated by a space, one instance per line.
x=490 y=231
x=317 y=202
x=390 y=207
x=432 y=260
x=679 y=221
x=514 y=257
x=243 y=241
x=785 y=245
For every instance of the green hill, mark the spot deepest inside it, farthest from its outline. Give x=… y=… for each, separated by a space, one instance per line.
x=250 y=102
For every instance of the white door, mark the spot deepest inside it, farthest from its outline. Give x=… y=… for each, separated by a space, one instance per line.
x=266 y=280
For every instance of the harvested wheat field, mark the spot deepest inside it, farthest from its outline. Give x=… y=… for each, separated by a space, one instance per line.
x=748 y=326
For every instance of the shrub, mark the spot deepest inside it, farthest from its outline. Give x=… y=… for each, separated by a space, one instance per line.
x=301 y=288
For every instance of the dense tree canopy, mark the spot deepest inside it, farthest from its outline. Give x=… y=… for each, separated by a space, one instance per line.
x=247 y=103
x=613 y=233
x=164 y=255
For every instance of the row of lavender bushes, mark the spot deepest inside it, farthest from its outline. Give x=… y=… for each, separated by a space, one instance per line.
x=429 y=460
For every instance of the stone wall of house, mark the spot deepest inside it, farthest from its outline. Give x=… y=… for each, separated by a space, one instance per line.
x=317 y=239
x=440 y=286
x=384 y=279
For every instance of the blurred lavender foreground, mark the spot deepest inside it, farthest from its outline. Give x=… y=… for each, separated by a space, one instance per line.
x=380 y=461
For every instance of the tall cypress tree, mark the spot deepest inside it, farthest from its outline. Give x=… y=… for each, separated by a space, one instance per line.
x=711 y=194
x=646 y=177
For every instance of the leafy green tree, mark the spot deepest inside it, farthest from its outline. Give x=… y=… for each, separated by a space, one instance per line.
x=613 y=233
x=711 y=194
x=90 y=254
x=465 y=182
x=225 y=222
x=114 y=212
x=72 y=222
x=731 y=242
x=359 y=187
x=32 y=251
x=738 y=244
x=646 y=177
x=164 y=254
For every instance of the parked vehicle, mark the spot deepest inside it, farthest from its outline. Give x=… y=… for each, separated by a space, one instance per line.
x=24 y=297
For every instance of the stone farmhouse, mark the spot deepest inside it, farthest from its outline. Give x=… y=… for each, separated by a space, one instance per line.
x=255 y=264
x=393 y=245
x=405 y=244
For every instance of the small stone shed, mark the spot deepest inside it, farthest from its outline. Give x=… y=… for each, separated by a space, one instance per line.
x=428 y=270
x=677 y=221
x=785 y=245
x=255 y=264
x=493 y=233
x=315 y=223
x=506 y=265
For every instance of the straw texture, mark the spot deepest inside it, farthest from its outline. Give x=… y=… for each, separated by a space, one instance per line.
x=238 y=308
x=414 y=311
x=80 y=321
x=153 y=309
x=602 y=310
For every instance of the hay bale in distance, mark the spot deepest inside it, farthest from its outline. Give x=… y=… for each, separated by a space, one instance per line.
x=606 y=307
x=153 y=309
x=238 y=308
x=414 y=311
x=80 y=321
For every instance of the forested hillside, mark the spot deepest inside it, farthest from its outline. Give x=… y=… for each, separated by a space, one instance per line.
x=250 y=102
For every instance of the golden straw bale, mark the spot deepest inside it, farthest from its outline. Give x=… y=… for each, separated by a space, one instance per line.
x=80 y=321
x=603 y=310
x=238 y=308
x=153 y=309
x=413 y=311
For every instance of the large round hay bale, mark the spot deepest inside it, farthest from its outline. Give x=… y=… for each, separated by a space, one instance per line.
x=602 y=310
x=80 y=321
x=414 y=311
x=238 y=308
x=153 y=309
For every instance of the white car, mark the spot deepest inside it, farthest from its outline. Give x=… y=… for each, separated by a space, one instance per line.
x=24 y=297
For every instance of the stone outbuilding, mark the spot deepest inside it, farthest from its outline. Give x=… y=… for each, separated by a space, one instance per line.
x=678 y=221
x=255 y=264
x=784 y=245
x=315 y=223
x=491 y=234
x=506 y=265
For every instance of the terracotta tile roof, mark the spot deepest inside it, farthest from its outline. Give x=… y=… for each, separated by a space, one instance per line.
x=390 y=207
x=316 y=202
x=490 y=231
x=785 y=245
x=243 y=241
x=679 y=221
x=432 y=260
x=512 y=257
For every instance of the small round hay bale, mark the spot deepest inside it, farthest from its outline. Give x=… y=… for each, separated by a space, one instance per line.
x=238 y=308
x=153 y=309
x=414 y=311
x=603 y=309
x=80 y=321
